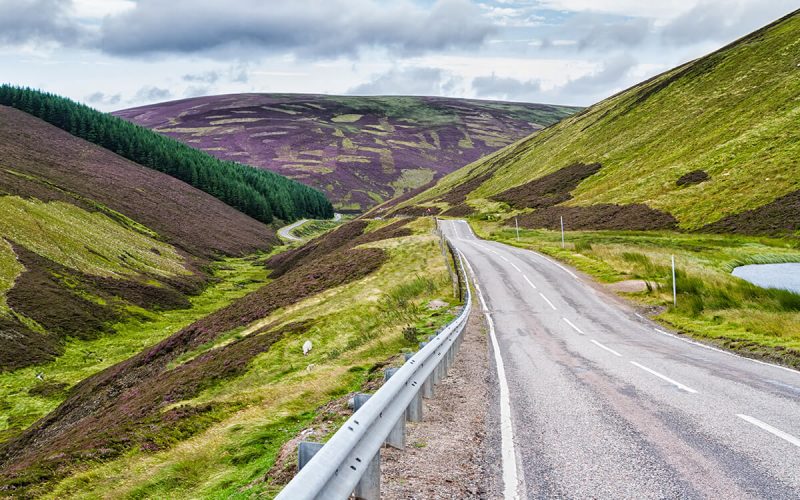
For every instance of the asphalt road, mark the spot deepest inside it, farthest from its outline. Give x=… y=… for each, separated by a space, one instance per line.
x=598 y=402
x=286 y=231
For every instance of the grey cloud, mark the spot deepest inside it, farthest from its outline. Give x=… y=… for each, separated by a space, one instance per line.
x=722 y=21
x=197 y=90
x=151 y=94
x=614 y=70
x=601 y=34
x=207 y=77
x=409 y=81
x=310 y=28
x=506 y=88
x=100 y=98
x=24 y=21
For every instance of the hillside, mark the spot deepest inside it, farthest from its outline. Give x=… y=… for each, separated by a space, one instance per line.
x=711 y=145
x=204 y=412
x=360 y=151
x=87 y=238
x=257 y=193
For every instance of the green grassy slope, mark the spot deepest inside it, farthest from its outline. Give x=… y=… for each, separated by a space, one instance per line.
x=732 y=114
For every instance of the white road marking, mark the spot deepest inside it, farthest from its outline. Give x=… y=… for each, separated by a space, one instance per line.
x=573 y=326
x=509 y=456
x=664 y=377
x=783 y=435
x=504 y=258
x=729 y=353
x=601 y=346
x=515 y=267
x=529 y=282
x=548 y=301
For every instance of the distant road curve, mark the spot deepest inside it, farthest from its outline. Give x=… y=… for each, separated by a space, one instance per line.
x=600 y=402
x=286 y=231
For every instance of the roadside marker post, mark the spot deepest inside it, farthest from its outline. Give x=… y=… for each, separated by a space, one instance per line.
x=517 y=225
x=562 y=231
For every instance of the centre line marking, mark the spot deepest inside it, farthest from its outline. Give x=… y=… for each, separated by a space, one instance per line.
x=664 y=377
x=515 y=267
x=504 y=258
x=783 y=435
x=529 y=282
x=601 y=346
x=548 y=301
x=573 y=326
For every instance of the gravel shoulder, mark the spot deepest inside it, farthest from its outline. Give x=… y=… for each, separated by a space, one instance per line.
x=446 y=454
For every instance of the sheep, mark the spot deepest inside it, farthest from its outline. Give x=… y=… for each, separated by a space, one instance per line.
x=307 y=348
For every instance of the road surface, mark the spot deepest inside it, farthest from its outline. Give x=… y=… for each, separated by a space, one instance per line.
x=598 y=402
x=286 y=231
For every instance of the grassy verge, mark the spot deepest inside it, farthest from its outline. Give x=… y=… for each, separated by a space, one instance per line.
x=354 y=327
x=314 y=228
x=24 y=397
x=712 y=305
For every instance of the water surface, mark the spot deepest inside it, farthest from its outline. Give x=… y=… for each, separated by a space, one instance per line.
x=785 y=276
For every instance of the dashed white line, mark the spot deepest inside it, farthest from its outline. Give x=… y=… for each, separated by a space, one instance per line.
x=664 y=377
x=601 y=346
x=529 y=282
x=504 y=258
x=515 y=267
x=548 y=301
x=570 y=323
x=783 y=435
x=509 y=457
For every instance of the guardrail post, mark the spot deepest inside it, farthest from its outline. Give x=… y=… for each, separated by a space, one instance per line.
x=369 y=487
x=397 y=437
x=306 y=450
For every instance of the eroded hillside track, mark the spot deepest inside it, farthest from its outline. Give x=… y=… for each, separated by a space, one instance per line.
x=606 y=404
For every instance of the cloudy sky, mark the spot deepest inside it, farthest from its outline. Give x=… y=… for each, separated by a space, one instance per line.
x=114 y=54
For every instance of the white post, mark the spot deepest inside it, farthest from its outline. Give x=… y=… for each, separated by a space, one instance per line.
x=674 y=285
x=517 y=224
x=562 y=231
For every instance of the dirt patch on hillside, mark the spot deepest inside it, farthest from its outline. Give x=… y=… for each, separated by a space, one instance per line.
x=417 y=211
x=550 y=189
x=693 y=177
x=776 y=217
x=636 y=217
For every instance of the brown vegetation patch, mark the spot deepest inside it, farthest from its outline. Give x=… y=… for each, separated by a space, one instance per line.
x=550 y=189
x=57 y=299
x=636 y=217
x=459 y=193
x=460 y=210
x=417 y=211
x=779 y=216
x=693 y=177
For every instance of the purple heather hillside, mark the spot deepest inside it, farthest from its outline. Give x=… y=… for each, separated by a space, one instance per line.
x=359 y=150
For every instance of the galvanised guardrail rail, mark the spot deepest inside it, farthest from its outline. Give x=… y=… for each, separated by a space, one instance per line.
x=349 y=463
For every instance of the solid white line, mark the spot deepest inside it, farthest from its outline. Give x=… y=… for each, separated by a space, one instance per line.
x=548 y=301
x=769 y=428
x=729 y=353
x=509 y=456
x=598 y=344
x=573 y=326
x=515 y=267
x=529 y=282
x=664 y=377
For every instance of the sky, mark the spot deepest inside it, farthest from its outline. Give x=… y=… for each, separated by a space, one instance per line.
x=116 y=54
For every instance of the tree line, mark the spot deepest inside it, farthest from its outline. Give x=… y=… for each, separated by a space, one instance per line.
x=260 y=194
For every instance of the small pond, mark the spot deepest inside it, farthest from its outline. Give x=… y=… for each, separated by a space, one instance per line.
x=786 y=276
